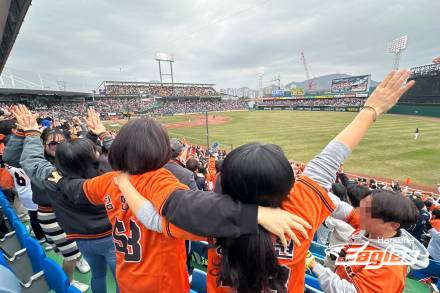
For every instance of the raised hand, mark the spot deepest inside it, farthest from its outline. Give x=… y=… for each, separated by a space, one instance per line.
x=281 y=223
x=94 y=122
x=389 y=91
x=25 y=119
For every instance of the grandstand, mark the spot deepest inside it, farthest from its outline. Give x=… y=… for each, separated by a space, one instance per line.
x=12 y=13
x=156 y=89
x=424 y=98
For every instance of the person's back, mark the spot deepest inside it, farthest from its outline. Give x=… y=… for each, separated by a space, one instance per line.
x=143 y=256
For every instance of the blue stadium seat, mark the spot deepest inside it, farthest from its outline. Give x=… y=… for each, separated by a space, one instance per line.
x=433 y=270
x=3 y=201
x=10 y=214
x=317 y=249
x=35 y=253
x=3 y=262
x=312 y=285
x=201 y=248
x=56 y=278
x=192 y=291
x=8 y=282
x=20 y=231
x=198 y=283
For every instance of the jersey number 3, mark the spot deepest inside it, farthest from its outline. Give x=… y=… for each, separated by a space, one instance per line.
x=129 y=246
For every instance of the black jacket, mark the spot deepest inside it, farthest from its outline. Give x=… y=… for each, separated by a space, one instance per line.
x=184 y=175
x=78 y=221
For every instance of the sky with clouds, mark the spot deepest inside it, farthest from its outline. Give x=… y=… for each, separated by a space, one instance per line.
x=84 y=42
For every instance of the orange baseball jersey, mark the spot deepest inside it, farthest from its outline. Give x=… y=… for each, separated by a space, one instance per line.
x=307 y=200
x=435 y=223
x=146 y=261
x=354 y=218
x=211 y=170
x=374 y=280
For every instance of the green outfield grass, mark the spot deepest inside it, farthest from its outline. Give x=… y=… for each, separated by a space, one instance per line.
x=388 y=150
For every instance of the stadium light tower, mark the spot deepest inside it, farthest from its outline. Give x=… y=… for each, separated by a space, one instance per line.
x=396 y=47
x=260 y=74
x=169 y=58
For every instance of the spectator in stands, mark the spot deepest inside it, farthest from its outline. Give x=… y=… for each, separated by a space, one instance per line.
x=384 y=217
x=193 y=165
x=423 y=218
x=434 y=231
x=176 y=167
x=46 y=216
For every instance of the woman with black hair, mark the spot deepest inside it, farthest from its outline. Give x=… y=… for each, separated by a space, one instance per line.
x=48 y=142
x=85 y=224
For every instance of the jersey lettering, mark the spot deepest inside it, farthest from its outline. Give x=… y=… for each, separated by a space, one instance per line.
x=129 y=246
x=108 y=202
x=284 y=253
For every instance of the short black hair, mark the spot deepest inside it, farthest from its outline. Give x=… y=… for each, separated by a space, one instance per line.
x=77 y=158
x=51 y=133
x=436 y=213
x=192 y=164
x=6 y=126
x=391 y=206
x=356 y=193
x=257 y=174
x=141 y=145
x=428 y=203
x=419 y=203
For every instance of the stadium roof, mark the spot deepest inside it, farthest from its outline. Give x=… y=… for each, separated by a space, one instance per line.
x=12 y=13
x=12 y=91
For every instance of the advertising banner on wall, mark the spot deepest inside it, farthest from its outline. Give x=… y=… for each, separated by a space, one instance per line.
x=353 y=84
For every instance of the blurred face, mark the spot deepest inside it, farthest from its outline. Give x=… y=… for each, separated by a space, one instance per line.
x=375 y=227
x=51 y=144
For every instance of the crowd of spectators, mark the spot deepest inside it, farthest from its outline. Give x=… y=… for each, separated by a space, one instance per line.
x=160 y=91
x=338 y=102
x=190 y=106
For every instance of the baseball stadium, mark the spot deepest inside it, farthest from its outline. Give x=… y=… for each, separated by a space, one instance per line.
x=330 y=185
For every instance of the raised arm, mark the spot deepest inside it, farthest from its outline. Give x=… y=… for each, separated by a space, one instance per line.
x=13 y=150
x=32 y=157
x=323 y=168
x=97 y=129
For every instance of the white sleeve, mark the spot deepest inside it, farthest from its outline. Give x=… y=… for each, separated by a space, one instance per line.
x=149 y=217
x=342 y=210
x=331 y=282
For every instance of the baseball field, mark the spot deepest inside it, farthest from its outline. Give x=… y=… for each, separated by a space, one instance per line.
x=389 y=150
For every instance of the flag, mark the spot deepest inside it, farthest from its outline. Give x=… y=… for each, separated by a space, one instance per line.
x=407 y=181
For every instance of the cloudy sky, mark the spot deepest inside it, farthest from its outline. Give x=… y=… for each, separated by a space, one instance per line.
x=84 y=42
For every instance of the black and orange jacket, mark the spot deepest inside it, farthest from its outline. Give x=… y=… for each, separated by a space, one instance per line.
x=84 y=221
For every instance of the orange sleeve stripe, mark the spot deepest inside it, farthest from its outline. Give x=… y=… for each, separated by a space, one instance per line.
x=318 y=190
